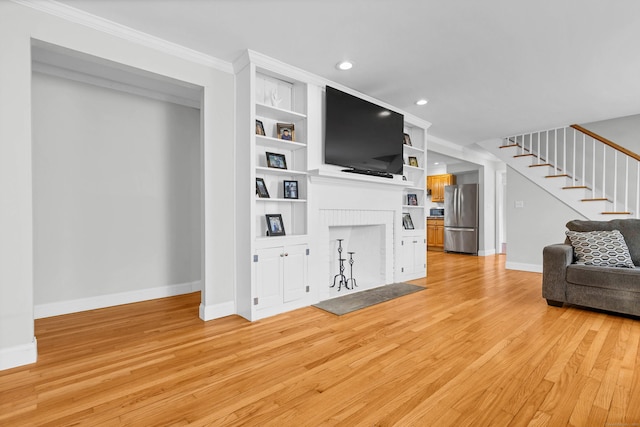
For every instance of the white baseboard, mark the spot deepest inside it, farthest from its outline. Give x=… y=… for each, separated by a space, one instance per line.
x=534 y=268
x=215 y=311
x=19 y=355
x=92 y=303
x=487 y=253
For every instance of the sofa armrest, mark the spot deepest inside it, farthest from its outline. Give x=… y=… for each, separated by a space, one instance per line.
x=555 y=260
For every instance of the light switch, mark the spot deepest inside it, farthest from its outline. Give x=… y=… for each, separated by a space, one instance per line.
x=519 y=203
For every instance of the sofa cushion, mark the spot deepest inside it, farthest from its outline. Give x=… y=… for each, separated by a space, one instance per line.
x=600 y=248
x=611 y=278
x=630 y=229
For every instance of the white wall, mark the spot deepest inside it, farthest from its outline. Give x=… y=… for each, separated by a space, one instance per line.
x=116 y=193
x=19 y=24
x=539 y=222
x=624 y=131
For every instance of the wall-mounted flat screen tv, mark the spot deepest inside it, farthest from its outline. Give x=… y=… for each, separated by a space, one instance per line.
x=361 y=135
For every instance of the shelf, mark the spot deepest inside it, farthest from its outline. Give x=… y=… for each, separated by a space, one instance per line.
x=276 y=113
x=414 y=168
x=412 y=187
x=275 y=171
x=267 y=141
x=354 y=177
x=274 y=199
x=270 y=241
x=414 y=149
x=413 y=206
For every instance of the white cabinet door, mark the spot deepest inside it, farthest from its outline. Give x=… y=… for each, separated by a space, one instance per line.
x=419 y=255
x=414 y=255
x=269 y=276
x=406 y=263
x=295 y=272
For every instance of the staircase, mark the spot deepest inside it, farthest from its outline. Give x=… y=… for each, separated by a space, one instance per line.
x=592 y=175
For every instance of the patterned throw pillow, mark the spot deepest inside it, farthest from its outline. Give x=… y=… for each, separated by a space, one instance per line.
x=602 y=248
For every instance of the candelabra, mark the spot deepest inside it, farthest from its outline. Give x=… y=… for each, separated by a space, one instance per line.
x=340 y=278
x=351 y=279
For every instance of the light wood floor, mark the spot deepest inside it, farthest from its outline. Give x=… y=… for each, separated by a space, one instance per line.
x=479 y=347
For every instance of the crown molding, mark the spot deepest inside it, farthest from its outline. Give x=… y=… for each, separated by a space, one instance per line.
x=95 y=22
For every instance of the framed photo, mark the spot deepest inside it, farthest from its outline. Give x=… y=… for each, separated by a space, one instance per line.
x=275 y=226
x=275 y=160
x=406 y=221
x=290 y=189
x=261 y=189
x=413 y=161
x=260 y=128
x=407 y=139
x=286 y=131
x=412 y=199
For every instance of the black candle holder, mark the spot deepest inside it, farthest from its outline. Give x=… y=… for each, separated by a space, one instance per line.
x=341 y=278
x=351 y=279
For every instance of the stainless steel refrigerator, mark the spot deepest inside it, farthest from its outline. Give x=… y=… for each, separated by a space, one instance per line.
x=461 y=218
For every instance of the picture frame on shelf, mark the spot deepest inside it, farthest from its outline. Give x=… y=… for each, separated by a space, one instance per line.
x=407 y=223
x=412 y=199
x=260 y=128
x=290 y=189
x=407 y=140
x=261 y=189
x=276 y=160
x=413 y=161
x=286 y=131
x=275 y=226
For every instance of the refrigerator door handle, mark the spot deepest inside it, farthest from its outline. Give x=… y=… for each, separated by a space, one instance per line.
x=470 y=230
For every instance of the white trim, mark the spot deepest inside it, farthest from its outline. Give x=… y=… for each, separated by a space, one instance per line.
x=92 y=303
x=19 y=355
x=215 y=311
x=52 y=70
x=534 y=268
x=488 y=252
x=77 y=16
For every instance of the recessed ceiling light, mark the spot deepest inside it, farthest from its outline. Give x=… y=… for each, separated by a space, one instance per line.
x=421 y=102
x=344 y=65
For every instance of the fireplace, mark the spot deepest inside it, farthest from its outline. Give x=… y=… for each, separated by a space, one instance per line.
x=369 y=234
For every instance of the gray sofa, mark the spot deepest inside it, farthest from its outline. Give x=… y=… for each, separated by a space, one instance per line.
x=607 y=288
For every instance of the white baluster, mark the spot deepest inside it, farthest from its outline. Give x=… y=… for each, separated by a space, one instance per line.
x=626 y=183
x=593 y=177
x=546 y=150
x=575 y=171
x=555 y=151
x=615 y=180
x=564 y=150
x=604 y=169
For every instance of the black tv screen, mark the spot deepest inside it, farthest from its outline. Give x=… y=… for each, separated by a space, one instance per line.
x=362 y=135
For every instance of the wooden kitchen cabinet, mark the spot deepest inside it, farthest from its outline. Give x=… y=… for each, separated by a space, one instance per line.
x=436 y=184
x=435 y=234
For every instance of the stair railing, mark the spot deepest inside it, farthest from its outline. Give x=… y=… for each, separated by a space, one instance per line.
x=590 y=161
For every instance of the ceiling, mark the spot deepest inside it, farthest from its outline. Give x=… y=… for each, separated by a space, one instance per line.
x=489 y=68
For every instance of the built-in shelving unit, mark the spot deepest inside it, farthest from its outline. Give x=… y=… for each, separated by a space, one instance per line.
x=269 y=281
x=412 y=251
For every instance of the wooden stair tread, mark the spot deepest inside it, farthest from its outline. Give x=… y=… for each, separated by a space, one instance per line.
x=576 y=187
x=540 y=164
x=564 y=175
x=615 y=213
x=598 y=199
x=509 y=146
x=525 y=155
